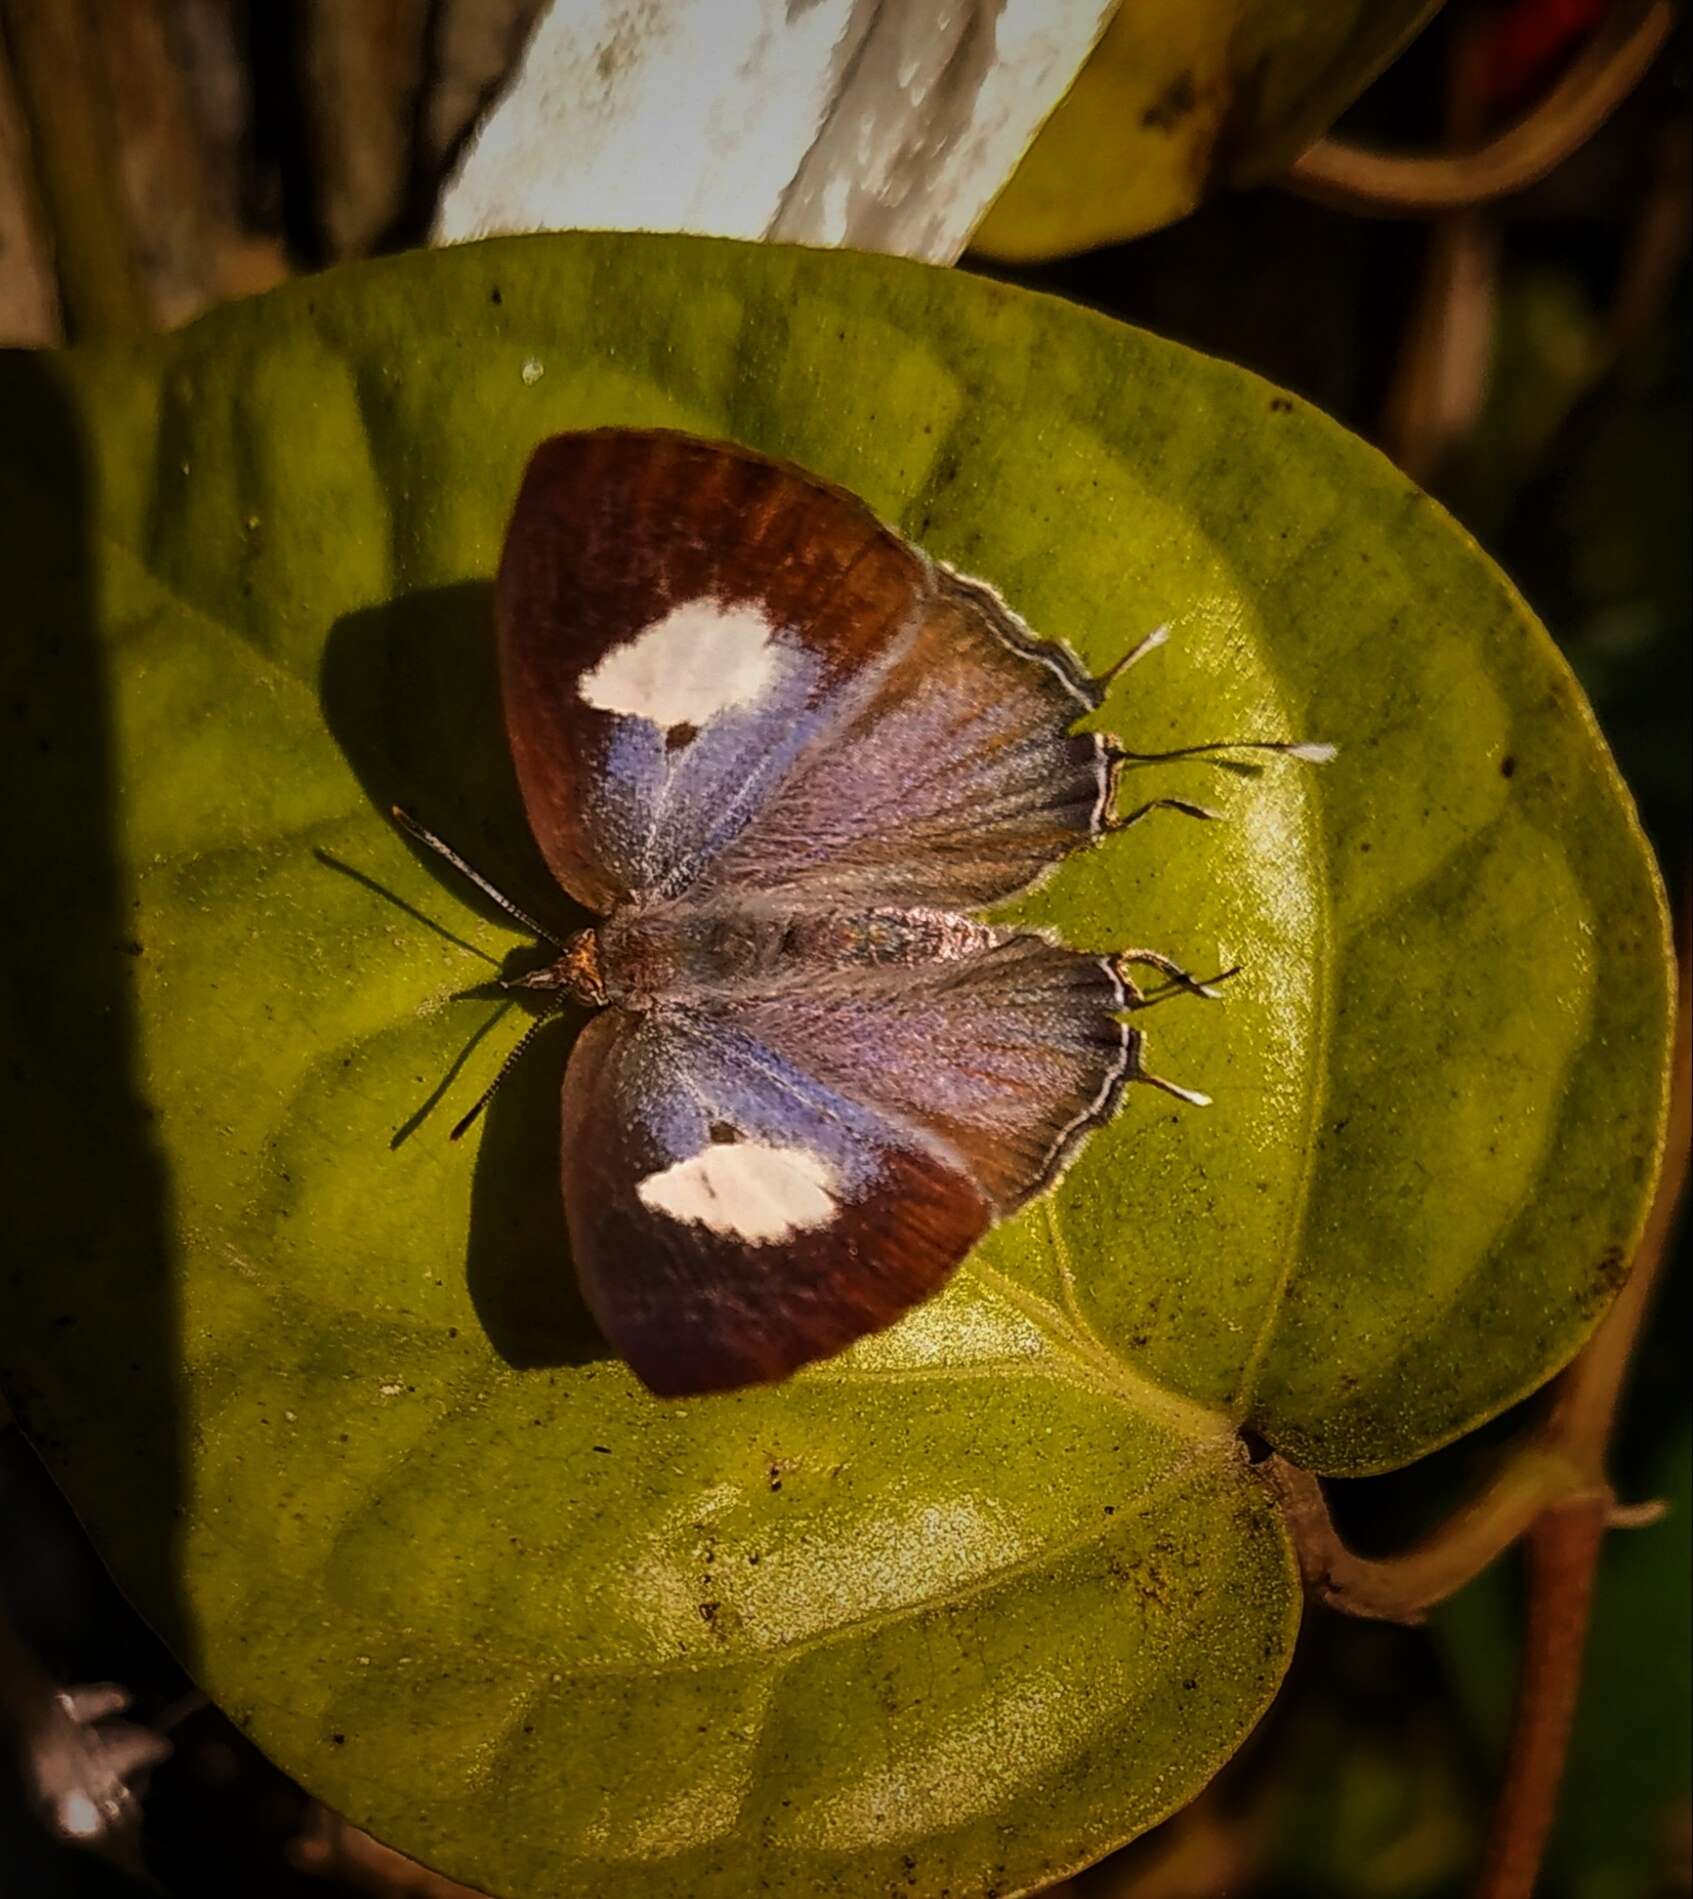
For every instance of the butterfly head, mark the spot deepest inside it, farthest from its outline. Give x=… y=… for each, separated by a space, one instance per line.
x=576 y=975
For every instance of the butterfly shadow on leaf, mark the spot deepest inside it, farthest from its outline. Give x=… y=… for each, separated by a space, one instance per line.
x=411 y=695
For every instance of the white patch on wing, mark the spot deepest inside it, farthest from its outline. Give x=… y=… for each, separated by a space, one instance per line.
x=699 y=660
x=746 y=1188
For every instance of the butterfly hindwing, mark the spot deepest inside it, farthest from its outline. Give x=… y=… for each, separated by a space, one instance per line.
x=1005 y=1056
x=957 y=782
x=733 y=1218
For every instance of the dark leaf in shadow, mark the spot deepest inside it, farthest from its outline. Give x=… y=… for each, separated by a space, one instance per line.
x=411 y=694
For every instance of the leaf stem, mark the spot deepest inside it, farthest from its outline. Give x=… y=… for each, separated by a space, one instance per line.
x=1401 y=1588
x=1563 y=1558
x=1396 y=184
x=1552 y=1490
x=1564 y=1545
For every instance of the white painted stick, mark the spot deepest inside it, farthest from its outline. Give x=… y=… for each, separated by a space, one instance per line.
x=885 y=125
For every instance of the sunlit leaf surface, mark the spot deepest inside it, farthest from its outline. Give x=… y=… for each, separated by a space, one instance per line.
x=1182 y=98
x=967 y=1607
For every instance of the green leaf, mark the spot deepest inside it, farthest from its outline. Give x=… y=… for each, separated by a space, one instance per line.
x=996 y=1590
x=1179 y=97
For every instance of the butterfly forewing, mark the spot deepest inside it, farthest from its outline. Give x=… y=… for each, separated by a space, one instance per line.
x=678 y=623
x=687 y=630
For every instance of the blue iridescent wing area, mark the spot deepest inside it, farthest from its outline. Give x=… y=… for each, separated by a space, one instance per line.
x=1002 y=1059
x=734 y=1218
x=722 y=675
x=955 y=783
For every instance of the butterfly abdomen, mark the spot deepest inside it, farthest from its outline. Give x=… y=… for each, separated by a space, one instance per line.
x=651 y=953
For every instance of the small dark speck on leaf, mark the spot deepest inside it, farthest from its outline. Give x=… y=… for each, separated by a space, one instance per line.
x=1508 y=766
x=494 y=295
x=338 y=1740
x=603 y=1449
x=1613 y=1268
x=1279 y=405
x=1172 y=105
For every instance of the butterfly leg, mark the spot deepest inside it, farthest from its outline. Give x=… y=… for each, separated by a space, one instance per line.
x=1116 y=823
x=1180 y=982
x=1134 y=1071
x=1103 y=682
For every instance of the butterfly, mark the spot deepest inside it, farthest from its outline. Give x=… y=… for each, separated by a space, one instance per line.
x=789 y=759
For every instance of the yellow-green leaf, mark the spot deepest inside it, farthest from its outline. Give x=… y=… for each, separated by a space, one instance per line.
x=969 y=1606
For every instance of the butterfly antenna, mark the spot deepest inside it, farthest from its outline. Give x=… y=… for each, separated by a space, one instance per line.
x=1180 y=981
x=505 y=1068
x=424 y=835
x=1133 y=1071
x=1312 y=753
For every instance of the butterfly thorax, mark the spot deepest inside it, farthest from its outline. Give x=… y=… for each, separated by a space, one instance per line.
x=648 y=953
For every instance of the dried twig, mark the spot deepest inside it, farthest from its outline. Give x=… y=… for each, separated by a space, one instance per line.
x=61 y=82
x=29 y=296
